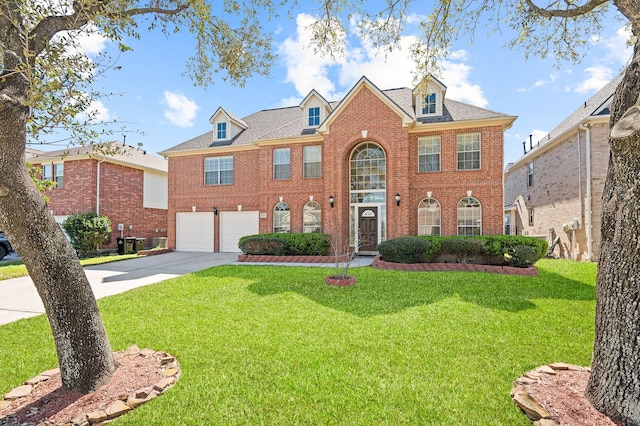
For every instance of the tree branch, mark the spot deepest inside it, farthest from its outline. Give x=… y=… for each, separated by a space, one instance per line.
x=570 y=12
x=49 y=26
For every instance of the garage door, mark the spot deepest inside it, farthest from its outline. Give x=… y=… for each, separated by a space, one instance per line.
x=194 y=231
x=234 y=225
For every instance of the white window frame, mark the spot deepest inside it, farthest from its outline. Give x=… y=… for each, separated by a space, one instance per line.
x=306 y=153
x=222 y=131
x=311 y=217
x=58 y=174
x=465 y=145
x=430 y=104
x=279 y=164
x=313 y=120
x=218 y=169
x=47 y=172
x=530 y=174
x=469 y=216
x=281 y=213
x=429 y=217
x=424 y=151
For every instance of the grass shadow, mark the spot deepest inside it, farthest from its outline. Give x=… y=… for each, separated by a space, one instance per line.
x=380 y=292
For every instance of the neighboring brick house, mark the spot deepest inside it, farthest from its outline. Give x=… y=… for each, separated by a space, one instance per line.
x=555 y=189
x=373 y=166
x=126 y=184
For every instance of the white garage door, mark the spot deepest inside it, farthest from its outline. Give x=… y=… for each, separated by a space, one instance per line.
x=234 y=225
x=194 y=231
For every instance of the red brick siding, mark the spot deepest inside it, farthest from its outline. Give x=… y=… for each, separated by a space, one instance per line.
x=121 y=198
x=255 y=188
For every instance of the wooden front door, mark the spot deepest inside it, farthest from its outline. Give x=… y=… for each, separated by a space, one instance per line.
x=368 y=229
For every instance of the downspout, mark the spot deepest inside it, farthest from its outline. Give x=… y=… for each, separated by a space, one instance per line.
x=588 y=216
x=98 y=187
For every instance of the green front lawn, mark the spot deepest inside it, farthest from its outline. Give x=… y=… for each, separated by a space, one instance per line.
x=276 y=346
x=16 y=269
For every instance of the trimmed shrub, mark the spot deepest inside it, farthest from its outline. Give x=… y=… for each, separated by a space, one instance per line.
x=404 y=250
x=295 y=244
x=257 y=244
x=87 y=231
x=307 y=244
x=489 y=249
x=522 y=256
x=463 y=249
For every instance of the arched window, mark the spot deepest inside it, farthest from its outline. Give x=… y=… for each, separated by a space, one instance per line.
x=469 y=217
x=429 y=217
x=281 y=218
x=311 y=217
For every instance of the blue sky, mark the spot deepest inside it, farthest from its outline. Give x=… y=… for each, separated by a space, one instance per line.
x=155 y=98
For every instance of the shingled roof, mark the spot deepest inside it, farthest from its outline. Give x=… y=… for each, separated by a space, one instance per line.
x=115 y=152
x=289 y=122
x=597 y=105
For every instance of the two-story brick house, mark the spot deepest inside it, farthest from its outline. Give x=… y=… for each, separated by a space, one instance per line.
x=555 y=189
x=373 y=166
x=126 y=184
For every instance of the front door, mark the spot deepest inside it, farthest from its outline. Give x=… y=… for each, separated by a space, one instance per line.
x=368 y=229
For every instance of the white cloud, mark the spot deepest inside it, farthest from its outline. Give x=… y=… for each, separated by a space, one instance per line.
x=308 y=70
x=599 y=75
x=540 y=83
x=455 y=75
x=180 y=110
x=90 y=41
x=305 y=69
x=96 y=112
x=617 y=50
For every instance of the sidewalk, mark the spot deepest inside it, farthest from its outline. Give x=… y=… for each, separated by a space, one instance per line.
x=19 y=298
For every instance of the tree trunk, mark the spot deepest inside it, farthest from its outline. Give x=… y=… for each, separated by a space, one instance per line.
x=614 y=384
x=84 y=353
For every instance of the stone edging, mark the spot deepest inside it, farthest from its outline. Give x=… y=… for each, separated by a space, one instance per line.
x=472 y=267
x=285 y=259
x=152 y=252
x=168 y=365
x=525 y=402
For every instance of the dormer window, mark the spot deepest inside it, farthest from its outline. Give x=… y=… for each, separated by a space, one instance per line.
x=428 y=99
x=429 y=105
x=222 y=131
x=314 y=116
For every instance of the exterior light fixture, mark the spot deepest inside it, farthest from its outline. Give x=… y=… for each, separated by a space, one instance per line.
x=397 y=198
x=331 y=200
x=215 y=210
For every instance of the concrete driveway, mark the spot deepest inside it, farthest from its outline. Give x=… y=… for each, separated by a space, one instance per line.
x=19 y=298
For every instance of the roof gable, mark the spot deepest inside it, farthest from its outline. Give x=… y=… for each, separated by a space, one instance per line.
x=222 y=113
x=407 y=119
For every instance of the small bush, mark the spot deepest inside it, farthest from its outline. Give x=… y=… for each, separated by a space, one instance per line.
x=404 y=250
x=522 y=256
x=307 y=244
x=464 y=249
x=295 y=244
x=256 y=244
x=87 y=231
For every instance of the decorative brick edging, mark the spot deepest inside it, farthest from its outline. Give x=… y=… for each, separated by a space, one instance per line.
x=285 y=259
x=526 y=403
x=472 y=267
x=152 y=252
x=167 y=364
